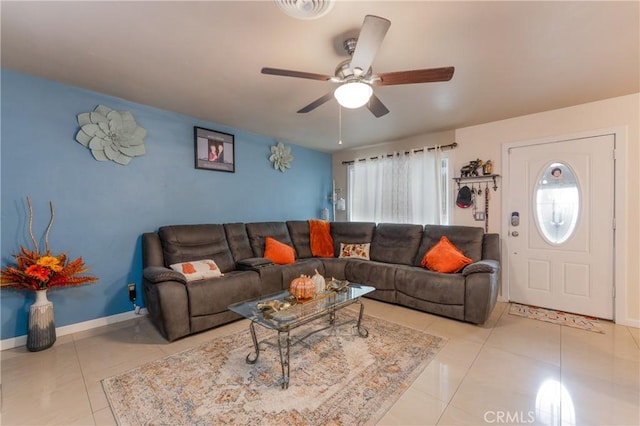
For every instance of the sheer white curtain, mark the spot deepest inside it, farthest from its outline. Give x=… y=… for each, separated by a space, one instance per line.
x=403 y=188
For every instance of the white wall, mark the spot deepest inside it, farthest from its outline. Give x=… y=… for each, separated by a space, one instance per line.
x=485 y=142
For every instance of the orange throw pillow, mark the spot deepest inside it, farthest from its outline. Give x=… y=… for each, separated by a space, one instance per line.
x=279 y=253
x=320 y=238
x=445 y=257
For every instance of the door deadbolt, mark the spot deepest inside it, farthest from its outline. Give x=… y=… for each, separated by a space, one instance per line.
x=515 y=233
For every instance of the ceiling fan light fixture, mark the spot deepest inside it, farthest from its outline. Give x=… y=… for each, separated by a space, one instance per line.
x=353 y=94
x=305 y=9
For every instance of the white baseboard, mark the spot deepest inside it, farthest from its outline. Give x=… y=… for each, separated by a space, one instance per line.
x=15 y=342
x=629 y=323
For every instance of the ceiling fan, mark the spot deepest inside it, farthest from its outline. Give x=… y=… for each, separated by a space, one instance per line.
x=355 y=75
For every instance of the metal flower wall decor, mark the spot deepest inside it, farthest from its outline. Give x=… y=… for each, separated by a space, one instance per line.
x=281 y=157
x=111 y=135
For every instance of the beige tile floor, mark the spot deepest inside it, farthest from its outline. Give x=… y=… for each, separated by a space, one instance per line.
x=510 y=370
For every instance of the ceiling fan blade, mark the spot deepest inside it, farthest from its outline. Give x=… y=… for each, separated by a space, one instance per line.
x=298 y=74
x=376 y=106
x=374 y=28
x=315 y=104
x=415 y=76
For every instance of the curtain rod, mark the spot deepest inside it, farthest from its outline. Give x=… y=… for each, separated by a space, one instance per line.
x=451 y=145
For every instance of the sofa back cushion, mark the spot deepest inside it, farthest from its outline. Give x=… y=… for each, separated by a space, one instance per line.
x=258 y=231
x=185 y=243
x=350 y=233
x=238 y=241
x=467 y=239
x=299 y=232
x=396 y=243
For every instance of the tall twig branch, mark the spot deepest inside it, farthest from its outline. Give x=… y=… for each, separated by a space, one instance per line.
x=35 y=242
x=46 y=234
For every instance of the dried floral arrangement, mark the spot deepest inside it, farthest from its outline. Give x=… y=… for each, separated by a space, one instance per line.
x=36 y=270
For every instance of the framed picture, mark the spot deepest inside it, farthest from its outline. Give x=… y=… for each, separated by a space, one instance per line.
x=214 y=150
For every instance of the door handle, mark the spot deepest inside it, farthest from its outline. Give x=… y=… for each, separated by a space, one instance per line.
x=515 y=233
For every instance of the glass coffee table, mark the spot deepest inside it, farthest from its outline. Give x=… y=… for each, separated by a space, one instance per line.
x=298 y=314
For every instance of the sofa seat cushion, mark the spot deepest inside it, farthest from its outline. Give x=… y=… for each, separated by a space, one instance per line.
x=186 y=243
x=213 y=295
x=396 y=243
x=377 y=274
x=447 y=289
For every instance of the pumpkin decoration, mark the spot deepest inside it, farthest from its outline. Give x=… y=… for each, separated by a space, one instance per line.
x=302 y=288
x=318 y=280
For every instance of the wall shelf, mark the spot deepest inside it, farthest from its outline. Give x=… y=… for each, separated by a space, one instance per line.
x=479 y=179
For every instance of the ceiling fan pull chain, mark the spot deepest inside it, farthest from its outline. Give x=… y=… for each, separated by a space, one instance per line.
x=339 y=124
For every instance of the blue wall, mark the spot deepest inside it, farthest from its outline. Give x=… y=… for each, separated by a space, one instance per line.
x=102 y=208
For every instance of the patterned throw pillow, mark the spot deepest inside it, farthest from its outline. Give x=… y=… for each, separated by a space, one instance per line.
x=355 y=251
x=198 y=269
x=445 y=257
x=279 y=253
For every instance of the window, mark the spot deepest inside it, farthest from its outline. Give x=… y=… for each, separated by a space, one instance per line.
x=403 y=188
x=557 y=203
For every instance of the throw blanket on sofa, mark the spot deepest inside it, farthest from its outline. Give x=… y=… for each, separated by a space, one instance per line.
x=320 y=238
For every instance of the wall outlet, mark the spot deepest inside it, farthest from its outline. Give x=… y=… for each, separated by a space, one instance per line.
x=479 y=216
x=132 y=291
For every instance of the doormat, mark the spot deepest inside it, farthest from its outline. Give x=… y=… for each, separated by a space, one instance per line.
x=337 y=377
x=557 y=317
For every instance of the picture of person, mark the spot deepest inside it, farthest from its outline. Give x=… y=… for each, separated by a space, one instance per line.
x=556 y=173
x=220 y=152
x=213 y=152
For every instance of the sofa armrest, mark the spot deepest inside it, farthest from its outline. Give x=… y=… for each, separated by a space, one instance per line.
x=158 y=274
x=489 y=266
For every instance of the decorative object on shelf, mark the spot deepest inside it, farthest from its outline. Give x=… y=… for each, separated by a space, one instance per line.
x=471 y=169
x=281 y=157
x=487 y=168
x=302 y=288
x=39 y=272
x=214 y=150
x=319 y=282
x=111 y=135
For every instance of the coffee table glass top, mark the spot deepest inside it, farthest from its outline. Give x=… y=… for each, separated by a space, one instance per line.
x=300 y=312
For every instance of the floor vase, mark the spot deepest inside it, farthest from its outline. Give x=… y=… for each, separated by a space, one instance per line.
x=42 y=327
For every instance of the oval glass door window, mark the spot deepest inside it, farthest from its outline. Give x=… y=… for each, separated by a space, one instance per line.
x=557 y=203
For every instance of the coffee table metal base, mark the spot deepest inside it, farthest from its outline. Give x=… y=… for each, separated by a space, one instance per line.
x=285 y=342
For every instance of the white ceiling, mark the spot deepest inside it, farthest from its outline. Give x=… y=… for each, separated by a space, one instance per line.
x=203 y=59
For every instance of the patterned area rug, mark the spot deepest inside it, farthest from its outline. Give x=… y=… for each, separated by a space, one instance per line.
x=337 y=377
x=557 y=317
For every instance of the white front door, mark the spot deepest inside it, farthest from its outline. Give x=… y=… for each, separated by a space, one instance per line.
x=560 y=199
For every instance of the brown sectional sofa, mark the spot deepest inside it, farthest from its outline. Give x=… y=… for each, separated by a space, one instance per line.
x=179 y=308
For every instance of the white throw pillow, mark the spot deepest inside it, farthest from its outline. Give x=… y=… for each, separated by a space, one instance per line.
x=355 y=251
x=198 y=269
